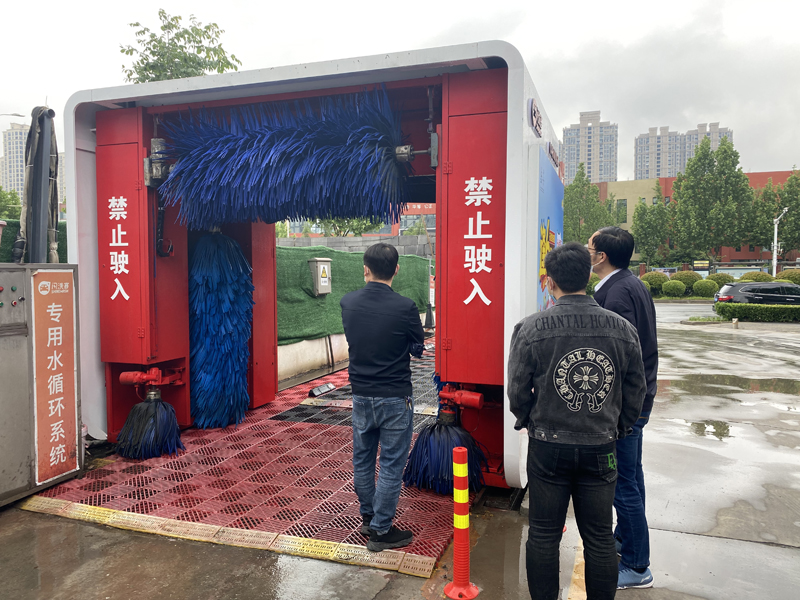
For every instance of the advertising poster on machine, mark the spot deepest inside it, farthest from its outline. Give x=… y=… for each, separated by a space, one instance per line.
x=551 y=221
x=54 y=380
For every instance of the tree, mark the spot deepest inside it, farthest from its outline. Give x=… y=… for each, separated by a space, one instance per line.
x=418 y=228
x=10 y=205
x=583 y=212
x=789 y=228
x=178 y=52
x=714 y=201
x=306 y=229
x=344 y=227
x=282 y=229
x=766 y=206
x=650 y=229
x=616 y=212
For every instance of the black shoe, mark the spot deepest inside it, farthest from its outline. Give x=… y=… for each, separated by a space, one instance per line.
x=365 y=521
x=394 y=538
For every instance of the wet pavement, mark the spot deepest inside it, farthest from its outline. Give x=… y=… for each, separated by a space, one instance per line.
x=722 y=461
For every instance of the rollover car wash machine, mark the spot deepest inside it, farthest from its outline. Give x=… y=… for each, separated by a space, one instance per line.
x=483 y=150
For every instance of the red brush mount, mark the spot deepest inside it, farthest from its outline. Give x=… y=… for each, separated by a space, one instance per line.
x=466 y=397
x=154 y=376
x=481 y=415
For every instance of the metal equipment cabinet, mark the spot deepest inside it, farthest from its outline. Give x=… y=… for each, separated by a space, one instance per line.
x=40 y=432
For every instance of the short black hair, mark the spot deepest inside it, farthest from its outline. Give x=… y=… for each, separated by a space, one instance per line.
x=617 y=244
x=569 y=266
x=381 y=260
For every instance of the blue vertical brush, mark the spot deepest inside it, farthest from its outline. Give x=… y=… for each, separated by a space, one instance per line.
x=220 y=323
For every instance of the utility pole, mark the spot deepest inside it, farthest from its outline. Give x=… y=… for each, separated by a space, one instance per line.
x=775 y=243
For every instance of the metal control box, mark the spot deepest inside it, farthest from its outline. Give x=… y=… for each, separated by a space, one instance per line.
x=40 y=432
x=321 y=274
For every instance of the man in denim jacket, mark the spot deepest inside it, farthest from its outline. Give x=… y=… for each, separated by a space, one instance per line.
x=576 y=383
x=381 y=328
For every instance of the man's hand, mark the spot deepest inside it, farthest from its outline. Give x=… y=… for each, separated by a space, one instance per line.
x=416 y=349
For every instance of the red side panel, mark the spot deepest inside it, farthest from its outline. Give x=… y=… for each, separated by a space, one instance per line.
x=474 y=249
x=121 y=231
x=478 y=92
x=264 y=349
x=144 y=312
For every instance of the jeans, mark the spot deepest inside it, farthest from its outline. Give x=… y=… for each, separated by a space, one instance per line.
x=389 y=421
x=631 y=528
x=588 y=474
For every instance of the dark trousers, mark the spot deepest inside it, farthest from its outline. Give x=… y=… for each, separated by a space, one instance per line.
x=629 y=500
x=588 y=474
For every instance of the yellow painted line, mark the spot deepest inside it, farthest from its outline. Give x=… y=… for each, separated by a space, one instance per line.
x=461 y=521
x=461 y=496
x=577 y=587
x=460 y=469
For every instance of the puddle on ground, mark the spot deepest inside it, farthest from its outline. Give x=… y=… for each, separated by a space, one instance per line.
x=723 y=386
x=719 y=429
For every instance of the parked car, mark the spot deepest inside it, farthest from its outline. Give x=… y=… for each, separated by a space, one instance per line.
x=750 y=292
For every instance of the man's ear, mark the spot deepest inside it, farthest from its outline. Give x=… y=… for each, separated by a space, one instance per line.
x=397 y=268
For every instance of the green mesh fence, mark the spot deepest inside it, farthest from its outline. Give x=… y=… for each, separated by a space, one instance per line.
x=302 y=316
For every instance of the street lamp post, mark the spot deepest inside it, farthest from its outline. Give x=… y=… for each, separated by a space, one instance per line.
x=775 y=243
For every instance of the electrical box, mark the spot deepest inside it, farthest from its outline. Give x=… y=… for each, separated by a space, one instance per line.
x=321 y=274
x=40 y=432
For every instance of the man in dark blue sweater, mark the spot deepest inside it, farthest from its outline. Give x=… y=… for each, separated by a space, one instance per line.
x=381 y=327
x=623 y=293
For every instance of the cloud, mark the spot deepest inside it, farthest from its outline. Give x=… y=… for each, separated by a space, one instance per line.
x=682 y=77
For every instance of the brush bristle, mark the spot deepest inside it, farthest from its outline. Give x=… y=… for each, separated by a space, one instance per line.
x=278 y=161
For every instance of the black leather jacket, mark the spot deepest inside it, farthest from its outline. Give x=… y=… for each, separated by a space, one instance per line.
x=575 y=373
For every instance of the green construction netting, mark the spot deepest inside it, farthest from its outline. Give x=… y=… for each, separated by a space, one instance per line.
x=302 y=316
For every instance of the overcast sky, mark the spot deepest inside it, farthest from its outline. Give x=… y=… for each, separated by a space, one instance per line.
x=678 y=63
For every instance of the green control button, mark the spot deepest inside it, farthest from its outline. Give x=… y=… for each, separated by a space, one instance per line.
x=13 y=288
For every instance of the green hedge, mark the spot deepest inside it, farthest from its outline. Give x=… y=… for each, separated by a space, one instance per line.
x=792 y=275
x=721 y=278
x=756 y=276
x=673 y=289
x=770 y=313
x=656 y=279
x=646 y=285
x=10 y=234
x=687 y=278
x=705 y=288
x=593 y=279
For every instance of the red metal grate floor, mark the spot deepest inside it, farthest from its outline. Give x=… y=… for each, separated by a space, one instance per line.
x=278 y=476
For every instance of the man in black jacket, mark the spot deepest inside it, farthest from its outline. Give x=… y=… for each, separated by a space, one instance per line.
x=576 y=382
x=621 y=292
x=381 y=327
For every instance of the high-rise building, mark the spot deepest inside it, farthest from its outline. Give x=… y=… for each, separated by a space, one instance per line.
x=594 y=143
x=62 y=187
x=12 y=174
x=664 y=153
